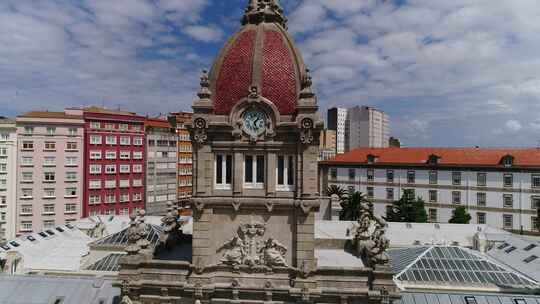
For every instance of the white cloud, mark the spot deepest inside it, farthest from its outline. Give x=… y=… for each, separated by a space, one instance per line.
x=513 y=126
x=204 y=33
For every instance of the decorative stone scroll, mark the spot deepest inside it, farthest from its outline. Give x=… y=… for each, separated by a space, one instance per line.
x=370 y=240
x=199 y=130
x=306 y=131
x=137 y=234
x=249 y=248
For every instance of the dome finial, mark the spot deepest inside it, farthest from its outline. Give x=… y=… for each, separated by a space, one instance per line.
x=259 y=11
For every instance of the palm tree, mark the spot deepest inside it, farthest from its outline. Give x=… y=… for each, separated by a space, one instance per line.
x=337 y=190
x=351 y=206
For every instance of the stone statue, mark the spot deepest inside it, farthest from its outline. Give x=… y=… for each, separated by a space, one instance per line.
x=370 y=240
x=274 y=254
x=126 y=300
x=234 y=254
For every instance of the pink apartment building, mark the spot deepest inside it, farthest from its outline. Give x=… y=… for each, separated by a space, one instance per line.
x=49 y=169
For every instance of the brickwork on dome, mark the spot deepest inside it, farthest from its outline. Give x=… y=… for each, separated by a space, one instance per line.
x=235 y=73
x=278 y=73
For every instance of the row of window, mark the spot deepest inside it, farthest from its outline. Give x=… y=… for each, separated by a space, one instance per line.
x=123 y=211
x=26 y=226
x=28 y=193
x=481 y=178
x=70 y=161
x=111 y=184
x=51 y=131
x=481 y=218
x=112 y=169
x=125 y=155
x=4 y=136
x=254 y=172
x=113 y=126
x=162 y=143
x=112 y=198
x=3 y=152
x=481 y=197
x=112 y=140
x=48 y=177
x=161 y=154
x=48 y=209
x=49 y=146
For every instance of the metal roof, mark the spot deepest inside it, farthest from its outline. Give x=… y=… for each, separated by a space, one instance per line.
x=108 y=263
x=455 y=267
x=465 y=298
x=121 y=238
x=520 y=254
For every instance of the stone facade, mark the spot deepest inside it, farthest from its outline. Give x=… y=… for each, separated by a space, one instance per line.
x=255 y=189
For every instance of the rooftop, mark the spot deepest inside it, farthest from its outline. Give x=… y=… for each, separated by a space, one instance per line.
x=525 y=157
x=519 y=254
x=47 y=114
x=467 y=298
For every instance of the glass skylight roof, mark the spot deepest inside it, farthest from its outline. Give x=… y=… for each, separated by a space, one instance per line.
x=457 y=266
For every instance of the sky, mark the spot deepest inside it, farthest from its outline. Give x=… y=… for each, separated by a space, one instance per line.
x=449 y=73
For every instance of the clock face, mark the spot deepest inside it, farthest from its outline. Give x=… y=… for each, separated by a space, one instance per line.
x=254 y=122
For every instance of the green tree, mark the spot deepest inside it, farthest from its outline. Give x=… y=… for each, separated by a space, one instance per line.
x=351 y=206
x=460 y=216
x=407 y=210
x=337 y=190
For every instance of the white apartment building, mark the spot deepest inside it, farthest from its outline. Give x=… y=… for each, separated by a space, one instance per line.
x=499 y=187
x=8 y=178
x=337 y=118
x=366 y=127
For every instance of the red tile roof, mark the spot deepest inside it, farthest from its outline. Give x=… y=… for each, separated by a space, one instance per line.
x=526 y=157
x=160 y=123
x=47 y=114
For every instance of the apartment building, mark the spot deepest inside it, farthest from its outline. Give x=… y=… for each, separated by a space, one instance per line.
x=49 y=167
x=499 y=187
x=327 y=145
x=8 y=177
x=114 y=161
x=185 y=154
x=336 y=119
x=366 y=127
x=161 y=165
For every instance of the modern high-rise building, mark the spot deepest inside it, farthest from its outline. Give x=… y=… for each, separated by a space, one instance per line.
x=366 y=127
x=49 y=167
x=8 y=178
x=161 y=165
x=185 y=154
x=337 y=118
x=114 y=162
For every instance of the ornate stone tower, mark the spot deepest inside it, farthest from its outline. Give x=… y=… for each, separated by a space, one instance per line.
x=255 y=130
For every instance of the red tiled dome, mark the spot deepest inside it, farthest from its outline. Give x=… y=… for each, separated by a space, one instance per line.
x=260 y=54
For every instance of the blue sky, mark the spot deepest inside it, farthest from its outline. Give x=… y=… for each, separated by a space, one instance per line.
x=449 y=73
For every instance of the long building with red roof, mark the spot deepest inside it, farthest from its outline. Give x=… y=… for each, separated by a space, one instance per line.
x=499 y=187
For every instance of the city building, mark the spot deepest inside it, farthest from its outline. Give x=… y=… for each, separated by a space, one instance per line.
x=255 y=132
x=114 y=162
x=499 y=187
x=327 y=144
x=8 y=178
x=366 y=127
x=185 y=154
x=337 y=119
x=49 y=166
x=161 y=165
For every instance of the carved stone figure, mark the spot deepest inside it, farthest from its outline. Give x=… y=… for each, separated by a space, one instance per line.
x=370 y=240
x=274 y=253
x=234 y=254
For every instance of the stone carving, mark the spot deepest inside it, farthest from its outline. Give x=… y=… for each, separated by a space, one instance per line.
x=370 y=240
x=137 y=234
x=247 y=247
x=199 y=133
x=126 y=300
x=173 y=225
x=264 y=10
x=204 y=91
x=307 y=82
x=306 y=131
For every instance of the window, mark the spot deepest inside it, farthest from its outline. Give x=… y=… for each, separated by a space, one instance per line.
x=28 y=130
x=95 y=139
x=370 y=175
x=534 y=224
x=530 y=247
x=49 y=161
x=110 y=140
x=95 y=125
x=508 y=221
x=137 y=141
x=433 y=177
x=481 y=218
x=411 y=177
x=125 y=141
x=535 y=181
x=50 y=146
x=470 y=300
x=352 y=174
x=26 y=193
x=136 y=155
x=111 y=198
x=124 y=211
x=49 y=177
x=333 y=173
x=285 y=172
x=137 y=168
x=71 y=146
x=49 y=193
x=27 y=160
x=51 y=131
x=124 y=183
x=109 y=126
x=110 y=155
x=370 y=192
x=72 y=132
x=456 y=178
x=254 y=171
x=123 y=127
x=95 y=184
x=28 y=145
x=110 y=169
x=26 y=209
x=124 y=168
x=3 y=168
x=433 y=196
x=508 y=201
x=137 y=197
x=432 y=213
x=521 y=301
x=508 y=180
x=390 y=194
x=481 y=199
x=94 y=199
x=124 y=197
x=3 y=151
x=110 y=184
x=26 y=226
x=124 y=155
x=137 y=183
x=71 y=176
x=27 y=177
x=95 y=169
x=71 y=192
x=136 y=128
x=4 y=136
x=481 y=179
x=71 y=161
x=48 y=209
x=535 y=202
x=95 y=155
x=456 y=197
x=389 y=176
x=70 y=208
